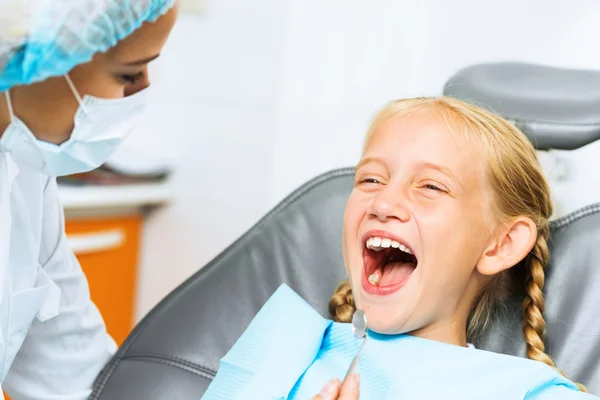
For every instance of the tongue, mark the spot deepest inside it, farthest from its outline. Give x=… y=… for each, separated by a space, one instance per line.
x=396 y=272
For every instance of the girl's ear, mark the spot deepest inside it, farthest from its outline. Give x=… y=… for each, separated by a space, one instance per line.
x=509 y=247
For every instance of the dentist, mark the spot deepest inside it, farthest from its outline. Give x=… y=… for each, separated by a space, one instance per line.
x=73 y=79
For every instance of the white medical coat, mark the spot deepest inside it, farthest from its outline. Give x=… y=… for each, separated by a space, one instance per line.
x=53 y=341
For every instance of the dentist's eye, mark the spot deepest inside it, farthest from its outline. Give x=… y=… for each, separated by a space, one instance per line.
x=131 y=79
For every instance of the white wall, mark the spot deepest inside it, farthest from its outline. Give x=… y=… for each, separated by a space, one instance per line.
x=254 y=98
x=212 y=113
x=358 y=55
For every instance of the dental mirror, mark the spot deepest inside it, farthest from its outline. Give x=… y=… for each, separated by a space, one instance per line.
x=359 y=324
x=359 y=328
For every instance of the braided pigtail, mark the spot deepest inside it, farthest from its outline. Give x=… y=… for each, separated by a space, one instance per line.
x=534 y=325
x=341 y=304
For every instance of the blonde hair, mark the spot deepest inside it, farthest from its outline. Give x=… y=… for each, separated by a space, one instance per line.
x=519 y=189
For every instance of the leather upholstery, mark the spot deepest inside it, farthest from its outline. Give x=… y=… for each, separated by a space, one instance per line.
x=175 y=351
x=572 y=299
x=557 y=108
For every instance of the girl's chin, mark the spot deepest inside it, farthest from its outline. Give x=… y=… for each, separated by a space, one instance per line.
x=381 y=323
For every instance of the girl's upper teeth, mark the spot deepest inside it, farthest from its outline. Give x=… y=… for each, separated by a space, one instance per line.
x=377 y=243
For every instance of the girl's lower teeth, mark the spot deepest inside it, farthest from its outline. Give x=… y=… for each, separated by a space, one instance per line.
x=374 y=279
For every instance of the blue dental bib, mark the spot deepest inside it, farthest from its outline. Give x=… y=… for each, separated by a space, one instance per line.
x=290 y=352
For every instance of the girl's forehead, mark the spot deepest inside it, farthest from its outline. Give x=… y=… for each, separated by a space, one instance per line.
x=419 y=131
x=422 y=138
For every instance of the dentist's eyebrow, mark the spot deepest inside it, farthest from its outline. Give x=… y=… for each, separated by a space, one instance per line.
x=142 y=61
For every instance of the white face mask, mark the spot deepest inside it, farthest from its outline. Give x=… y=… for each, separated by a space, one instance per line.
x=100 y=127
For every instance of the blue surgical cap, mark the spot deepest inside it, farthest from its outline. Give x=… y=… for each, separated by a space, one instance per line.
x=44 y=38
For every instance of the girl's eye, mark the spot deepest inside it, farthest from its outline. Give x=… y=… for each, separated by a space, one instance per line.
x=437 y=189
x=432 y=187
x=369 y=180
x=131 y=78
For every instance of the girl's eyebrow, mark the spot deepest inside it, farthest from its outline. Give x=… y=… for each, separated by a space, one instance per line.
x=368 y=160
x=421 y=165
x=424 y=165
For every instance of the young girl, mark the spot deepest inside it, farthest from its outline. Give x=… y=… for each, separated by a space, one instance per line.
x=448 y=217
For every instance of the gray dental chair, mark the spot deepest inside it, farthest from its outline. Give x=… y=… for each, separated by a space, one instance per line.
x=174 y=352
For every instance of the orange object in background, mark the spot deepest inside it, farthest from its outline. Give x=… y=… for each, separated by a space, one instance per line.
x=108 y=249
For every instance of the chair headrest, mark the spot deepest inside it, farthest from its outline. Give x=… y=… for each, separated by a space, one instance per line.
x=556 y=108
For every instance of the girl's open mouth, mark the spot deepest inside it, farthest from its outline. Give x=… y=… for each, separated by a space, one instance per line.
x=388 y=264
